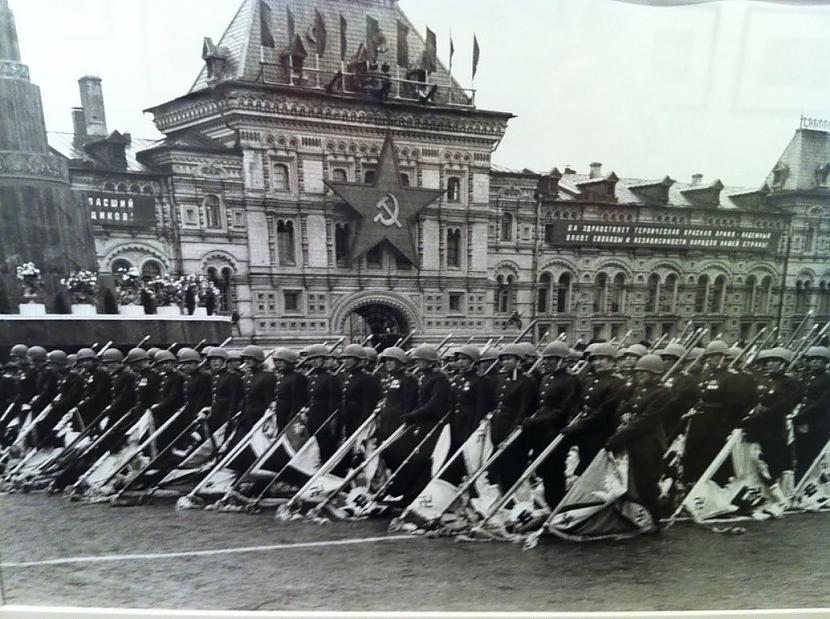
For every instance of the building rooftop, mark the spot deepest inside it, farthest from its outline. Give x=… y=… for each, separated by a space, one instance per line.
x=65 y=144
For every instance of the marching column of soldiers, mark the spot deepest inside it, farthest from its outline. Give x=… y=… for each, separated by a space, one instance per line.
x=77 y=408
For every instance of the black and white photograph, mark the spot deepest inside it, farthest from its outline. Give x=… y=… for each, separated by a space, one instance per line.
x=376 y=306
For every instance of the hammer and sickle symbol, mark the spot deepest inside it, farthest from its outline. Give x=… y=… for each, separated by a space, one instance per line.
x=388 y=205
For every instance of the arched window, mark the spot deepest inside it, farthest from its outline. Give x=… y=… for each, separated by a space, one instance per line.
x=369 y=177
x=809 y=236
x=802 y=296
x=147 y=190
x=453 y=189
x=404 y=179
x=762 y=297
x=134 y=188
x=504 y=294
x=701 y=294
x=150 y=269
x=222 y=281
x=653 y=294
x=506 y=227
x=339 y=175
x=750 y=290
x=213 y=212
x=122 y=187
x=109 y=187
x=281 y=178
x=285 y=242
x=618 y=294
x=563 y=293
x=824 y=298
x=601 y=293
x=668 y=295
x=717 y=295
x=121 y=264
x=341 y=244
x=543 y=294
x=454 y=248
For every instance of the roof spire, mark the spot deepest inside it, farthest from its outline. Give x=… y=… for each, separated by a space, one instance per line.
x=9 y=49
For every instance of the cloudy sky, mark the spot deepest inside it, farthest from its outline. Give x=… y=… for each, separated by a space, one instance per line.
x=716 y=88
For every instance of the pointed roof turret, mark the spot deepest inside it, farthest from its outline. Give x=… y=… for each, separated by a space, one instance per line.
x=9 y=47
x=805 y=163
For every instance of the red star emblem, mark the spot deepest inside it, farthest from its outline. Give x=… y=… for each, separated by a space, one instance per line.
x=388 y=211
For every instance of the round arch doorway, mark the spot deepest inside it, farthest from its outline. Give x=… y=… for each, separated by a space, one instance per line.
x=385 y=323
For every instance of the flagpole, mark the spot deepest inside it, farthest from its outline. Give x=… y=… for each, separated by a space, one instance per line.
x=317 y=68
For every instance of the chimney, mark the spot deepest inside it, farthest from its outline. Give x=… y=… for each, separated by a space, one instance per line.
x=596 y=170
x=78 y=123
x=697 y=179
x=92 y=100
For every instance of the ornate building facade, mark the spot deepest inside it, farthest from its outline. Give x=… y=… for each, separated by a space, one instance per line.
x=291 y=113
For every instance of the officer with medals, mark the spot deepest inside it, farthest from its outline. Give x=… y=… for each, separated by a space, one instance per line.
x=811 y=425
x=360 y=394
x=71 y=391
x=226 y=388
x=97 y=388
x=292 y=387
x=324 y=393
x=259 y=389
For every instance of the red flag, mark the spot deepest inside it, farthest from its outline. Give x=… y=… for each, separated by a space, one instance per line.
x=290 y=20
x=317 y=33
x=403 y=45
x=431 y=53
x=452 y=52
x=476 y=53
x=343 y=43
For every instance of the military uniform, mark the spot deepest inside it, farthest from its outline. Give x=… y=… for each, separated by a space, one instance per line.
x=767 y=423
x=97 y=395
x=812 y=423
x=601 y=394
x=227 y=392
x=640 y=433
x=198 y=395
x=399 y=395
x=324 y=391
x=559 y=399
x=515 y=401
x=684 y=389
x=71 y=392
x=122 y=408
x=726 y=396
x=359 y=398
x=259 y=387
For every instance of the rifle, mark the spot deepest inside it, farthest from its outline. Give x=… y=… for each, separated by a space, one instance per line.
x=656 y=344
x=797 y=330
x=443 y=342
x=65 y=456
x=682 y=335
x=746 y=348
x=201 y=343
x=802 y=351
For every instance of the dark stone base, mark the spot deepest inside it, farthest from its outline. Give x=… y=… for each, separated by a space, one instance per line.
x=70 y=333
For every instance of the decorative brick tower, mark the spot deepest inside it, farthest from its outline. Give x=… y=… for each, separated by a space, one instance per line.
x=41 y=220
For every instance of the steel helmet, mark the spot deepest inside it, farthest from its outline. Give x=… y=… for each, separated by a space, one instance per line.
x=354 y=351
x=716 y=347
x=574 y=354
x=86 y=353
x=188 y=354
x=112 y=355
x=450 y=352
x=317 y=350
x=469 y=351
x=589 y=350
x=164 y=355
x=604 y=350
x=673 y=350
x=58 y=358
x=253 y=352
x=622 y=352
x=636 y=349
x=734 y=352
x=395 y=353
x=37 y=353
x=556 y=349
x=137 y=354
x=152 y=352
x=694 y=353
x=650 y=363
x=491 y=354
x=817 y=351
x=218 y=353
x=782 y=354
x=234 y=355
x=19 y=350
x=511 y=350
x=425 y=352
x=528 y=349
x=285 y=354
x=206 y=350
x=370 y=354
x=71 y=359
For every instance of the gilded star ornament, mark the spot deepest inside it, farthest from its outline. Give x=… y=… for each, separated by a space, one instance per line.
x=388 y=210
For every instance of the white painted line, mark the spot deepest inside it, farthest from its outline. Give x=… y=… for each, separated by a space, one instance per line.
x=205 y=553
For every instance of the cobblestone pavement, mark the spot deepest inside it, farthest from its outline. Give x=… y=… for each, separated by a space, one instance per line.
x=154 y=557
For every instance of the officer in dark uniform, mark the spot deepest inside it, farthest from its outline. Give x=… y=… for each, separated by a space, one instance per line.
x=235 y=362
x=370 y=359
x=360 y=394
x=527 y=362
x=148 y=381
x=47 y=384
x=601 y=393
x=10 y=392
x=292 y=387
x=70 y=392
x=171 y=397
x=399 y=393
x=766 y=424
x=226 y=388
x=123 y=384
x=639 y=431
x=97 y=389
x=324 y=392
x=259 y=390
x=683 y=385
x=812 y=423
x=198 y=394
x=726 y=396
x=516 y=398
x=559 y=398
x=469 y=397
